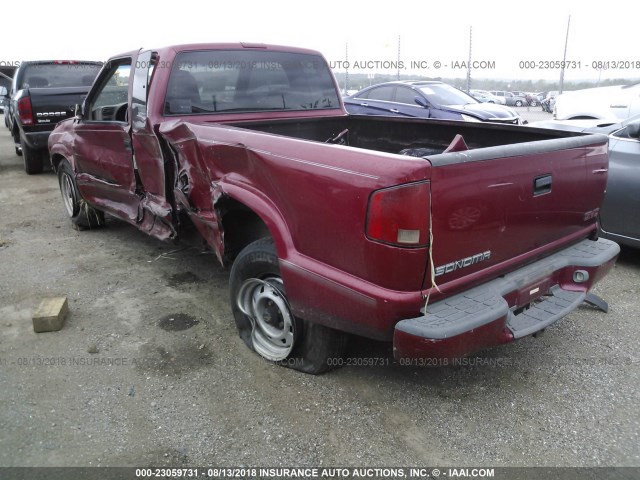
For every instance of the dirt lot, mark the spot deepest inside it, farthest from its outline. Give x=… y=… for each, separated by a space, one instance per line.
x=172 y=384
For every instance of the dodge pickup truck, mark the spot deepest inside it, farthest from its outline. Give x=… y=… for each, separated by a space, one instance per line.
x=43 y=93
x=443 y=237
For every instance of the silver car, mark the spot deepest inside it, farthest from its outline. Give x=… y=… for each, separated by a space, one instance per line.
x=485 y=97
x=619 y=216
x=509 y=98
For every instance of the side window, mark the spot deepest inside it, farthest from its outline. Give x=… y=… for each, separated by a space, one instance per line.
x=109 y=103
x=382 y=93
x=406 y=95
x=629 y=132
x=248 y=80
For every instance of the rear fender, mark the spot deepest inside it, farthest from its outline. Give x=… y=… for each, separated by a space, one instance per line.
x=61 y=144
x=200 y=188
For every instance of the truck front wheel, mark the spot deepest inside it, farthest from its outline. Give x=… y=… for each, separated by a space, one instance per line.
x=82 y=215
x=264 y=318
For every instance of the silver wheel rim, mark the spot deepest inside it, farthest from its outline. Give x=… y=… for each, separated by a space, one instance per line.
x=263 y=301
x=68 y=198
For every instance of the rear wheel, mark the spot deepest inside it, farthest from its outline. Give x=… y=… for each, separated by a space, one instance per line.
x=32 y=158
x=518 y=103
x=265 y=320
x=82 y=215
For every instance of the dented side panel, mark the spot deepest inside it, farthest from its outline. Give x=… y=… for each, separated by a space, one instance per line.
x=313 y=199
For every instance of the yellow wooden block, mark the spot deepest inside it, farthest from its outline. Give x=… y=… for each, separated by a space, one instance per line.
x=50 y=314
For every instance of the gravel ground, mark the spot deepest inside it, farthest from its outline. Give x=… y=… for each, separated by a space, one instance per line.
x=171 y=383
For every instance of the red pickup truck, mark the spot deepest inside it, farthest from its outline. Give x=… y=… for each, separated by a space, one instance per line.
x=444 y=237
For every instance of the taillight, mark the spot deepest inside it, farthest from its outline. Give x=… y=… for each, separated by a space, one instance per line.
x=400 y=215
x=25 y=112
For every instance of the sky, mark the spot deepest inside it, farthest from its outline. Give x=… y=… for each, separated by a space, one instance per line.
x=510 y=40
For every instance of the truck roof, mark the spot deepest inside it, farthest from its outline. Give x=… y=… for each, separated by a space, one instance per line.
x=59 y=62
x=223 y=46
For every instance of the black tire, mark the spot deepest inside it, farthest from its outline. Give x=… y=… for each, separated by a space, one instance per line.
x=82 y=215
x=16 y=140
x=32 y=158
x=518 y=103
x=314 y=349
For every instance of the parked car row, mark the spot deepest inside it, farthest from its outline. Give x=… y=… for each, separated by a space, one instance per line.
x=502 y=97
x=616 y=102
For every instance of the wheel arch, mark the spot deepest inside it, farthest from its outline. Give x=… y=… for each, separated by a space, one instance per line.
x=241 y=226
x=15 y=131
x=57 y=158
x=245 y=216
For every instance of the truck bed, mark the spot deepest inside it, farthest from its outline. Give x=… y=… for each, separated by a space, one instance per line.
x=393 y=135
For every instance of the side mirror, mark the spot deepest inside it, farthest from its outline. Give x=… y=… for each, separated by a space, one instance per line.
x=78 y=110
x=421 y=101
x=633 y=130
x=3 y=92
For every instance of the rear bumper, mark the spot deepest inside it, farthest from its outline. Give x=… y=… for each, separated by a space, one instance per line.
x=37 y=140
x=516 y=305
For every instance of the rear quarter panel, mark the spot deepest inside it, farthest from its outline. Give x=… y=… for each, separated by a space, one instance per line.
x=313 y=198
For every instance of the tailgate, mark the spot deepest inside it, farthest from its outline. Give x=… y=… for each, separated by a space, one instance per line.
x=493 y=205
x=52 y=105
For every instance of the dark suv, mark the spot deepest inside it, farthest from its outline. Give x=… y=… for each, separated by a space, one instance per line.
x=42 y=94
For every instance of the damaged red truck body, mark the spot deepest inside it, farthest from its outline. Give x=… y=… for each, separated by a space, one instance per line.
x=444 y=237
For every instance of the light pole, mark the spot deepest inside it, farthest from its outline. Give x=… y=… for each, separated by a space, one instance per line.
x=398 y=74
x=564 y=58
x=469 y=63
x=346 y=70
